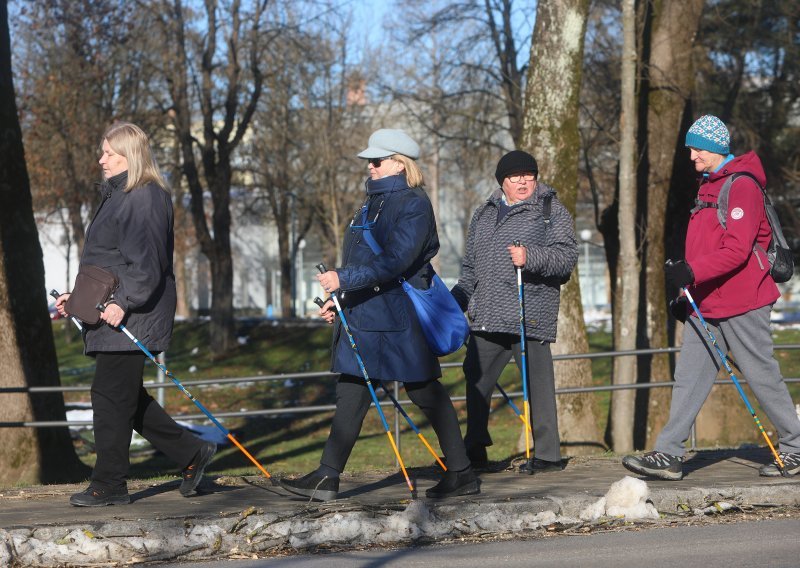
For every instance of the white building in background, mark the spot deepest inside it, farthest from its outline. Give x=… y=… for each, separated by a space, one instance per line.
x=257 y=273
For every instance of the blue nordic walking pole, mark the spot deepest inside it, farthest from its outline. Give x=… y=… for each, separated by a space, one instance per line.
x=335 y=298
x=175 y=380
x=320 y=302
x=524 y=356
x=414 y=427
x=513 y=406
x=724 y=358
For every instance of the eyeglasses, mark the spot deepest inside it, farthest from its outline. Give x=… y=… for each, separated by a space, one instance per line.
x=516 y=178
x=376 y=162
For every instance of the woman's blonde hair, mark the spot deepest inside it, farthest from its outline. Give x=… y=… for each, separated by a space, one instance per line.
x=130 y=141
x=413 y=174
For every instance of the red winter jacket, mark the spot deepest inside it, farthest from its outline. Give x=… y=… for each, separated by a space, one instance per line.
x=730 y=278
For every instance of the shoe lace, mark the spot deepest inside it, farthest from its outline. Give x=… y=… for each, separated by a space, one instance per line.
x=660 y=459
x=789 y=459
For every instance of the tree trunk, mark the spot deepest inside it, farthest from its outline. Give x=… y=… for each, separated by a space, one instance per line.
x=184 y=244
x=224 y=125
x=27 y=351
x=550 y=131
x=222 y=328
x=286 y=262
x=670 y=82
x=627 y=288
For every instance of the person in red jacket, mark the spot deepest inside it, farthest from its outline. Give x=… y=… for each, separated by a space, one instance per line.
x=727 y=272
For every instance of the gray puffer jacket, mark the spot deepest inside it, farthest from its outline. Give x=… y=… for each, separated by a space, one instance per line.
x=131 y=236
x=487 y=289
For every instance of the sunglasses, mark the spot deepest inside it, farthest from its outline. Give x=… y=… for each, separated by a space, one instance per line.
x=376 y=162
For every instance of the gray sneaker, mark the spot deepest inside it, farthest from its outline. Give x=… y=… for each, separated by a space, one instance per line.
x=656 y=464
x=791 y=465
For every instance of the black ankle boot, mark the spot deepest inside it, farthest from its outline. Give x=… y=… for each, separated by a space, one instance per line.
x=535 y=465
x=455 y=483
x=477 y=456
x=314 y=485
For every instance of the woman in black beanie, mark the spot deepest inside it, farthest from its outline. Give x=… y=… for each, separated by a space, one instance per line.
x=526 y=210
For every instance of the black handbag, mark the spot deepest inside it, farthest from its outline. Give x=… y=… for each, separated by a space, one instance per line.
x=93 y=285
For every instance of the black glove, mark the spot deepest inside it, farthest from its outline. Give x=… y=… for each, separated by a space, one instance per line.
x=678 y=273
x=679 y=308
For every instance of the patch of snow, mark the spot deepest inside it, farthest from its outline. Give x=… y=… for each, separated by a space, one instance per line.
x=626 y=498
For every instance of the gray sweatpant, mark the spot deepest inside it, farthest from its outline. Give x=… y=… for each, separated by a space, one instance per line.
x=487 y=356
x=749 y=340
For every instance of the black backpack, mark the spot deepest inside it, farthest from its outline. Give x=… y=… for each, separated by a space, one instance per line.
x=781 y=260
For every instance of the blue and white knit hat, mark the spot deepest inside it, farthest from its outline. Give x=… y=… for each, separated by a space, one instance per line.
x=709 y=133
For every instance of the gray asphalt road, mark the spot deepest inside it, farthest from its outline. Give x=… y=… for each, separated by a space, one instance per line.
x=769 y=543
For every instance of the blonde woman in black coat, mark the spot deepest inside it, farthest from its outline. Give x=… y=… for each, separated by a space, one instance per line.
x=131 y=236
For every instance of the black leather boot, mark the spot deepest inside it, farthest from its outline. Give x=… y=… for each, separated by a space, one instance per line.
x=535 y=465
x=314 y=486
x=455 y=483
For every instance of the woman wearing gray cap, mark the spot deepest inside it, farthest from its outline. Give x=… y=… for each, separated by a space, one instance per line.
x=392 y=236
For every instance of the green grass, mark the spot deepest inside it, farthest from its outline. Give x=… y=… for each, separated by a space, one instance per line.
x=293 y=443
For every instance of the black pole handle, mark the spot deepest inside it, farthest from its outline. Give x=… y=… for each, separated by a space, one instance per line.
x=100 y=307
x=54 y=293
x=321 y=268
x=319 y=301
x=516 y=243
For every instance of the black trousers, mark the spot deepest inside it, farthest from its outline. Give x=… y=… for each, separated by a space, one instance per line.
x=120 y=405
x=353 y=401
x=487 y=356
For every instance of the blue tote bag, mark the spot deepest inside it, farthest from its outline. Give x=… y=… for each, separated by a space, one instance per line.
x=442 y=321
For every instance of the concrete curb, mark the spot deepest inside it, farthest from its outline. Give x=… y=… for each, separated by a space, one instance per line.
x=338 y=524
x=243 y=517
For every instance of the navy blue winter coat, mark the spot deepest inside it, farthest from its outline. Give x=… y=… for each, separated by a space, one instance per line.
x=378 y=311
x=131 y=236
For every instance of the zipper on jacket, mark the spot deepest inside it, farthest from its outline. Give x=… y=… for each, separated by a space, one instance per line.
x=757 y=248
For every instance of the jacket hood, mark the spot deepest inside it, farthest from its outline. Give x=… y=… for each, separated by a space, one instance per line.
x=746 y=163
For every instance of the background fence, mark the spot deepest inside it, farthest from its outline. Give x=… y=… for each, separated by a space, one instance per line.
x=162 y=383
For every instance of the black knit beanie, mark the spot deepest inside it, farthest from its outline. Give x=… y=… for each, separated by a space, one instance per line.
x=515 y=162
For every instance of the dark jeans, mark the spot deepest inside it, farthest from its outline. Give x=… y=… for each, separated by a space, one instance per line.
x=487 y=356
x=120 y=405
x=353 y=401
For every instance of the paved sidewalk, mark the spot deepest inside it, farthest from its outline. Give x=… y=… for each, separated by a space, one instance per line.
x=246 y=515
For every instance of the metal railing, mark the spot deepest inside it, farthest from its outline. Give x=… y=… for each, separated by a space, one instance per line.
x=330 y=407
